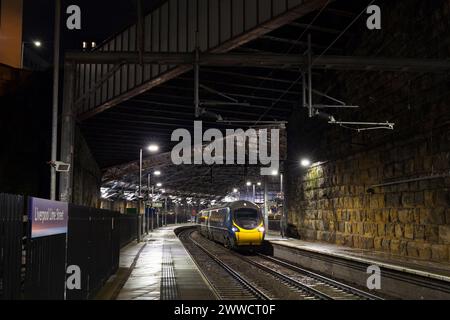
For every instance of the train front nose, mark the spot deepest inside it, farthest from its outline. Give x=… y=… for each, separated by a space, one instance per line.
x=250 y=237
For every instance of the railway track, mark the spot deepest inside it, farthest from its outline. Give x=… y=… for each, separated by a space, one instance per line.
x=227 y=283
x=317 y=285
x=288 y=281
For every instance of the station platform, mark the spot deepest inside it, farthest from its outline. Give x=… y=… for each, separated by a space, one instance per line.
x=401 y=276
x=158 y=268
x=436 y=270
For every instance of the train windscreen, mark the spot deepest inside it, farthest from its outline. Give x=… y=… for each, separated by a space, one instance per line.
x=247 y=218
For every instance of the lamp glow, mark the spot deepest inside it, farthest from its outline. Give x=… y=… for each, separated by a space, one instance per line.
x=153 y=148
x=305 y=163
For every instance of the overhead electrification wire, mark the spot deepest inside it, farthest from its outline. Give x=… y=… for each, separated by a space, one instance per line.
x=300 y=77
x=293 y=45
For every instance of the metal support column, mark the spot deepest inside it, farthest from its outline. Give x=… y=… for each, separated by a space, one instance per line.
x=197 y=83
x=266 y=204
x=165 y=209
x=310 y=98
x=56 y=99
x=140 y=197
x=282 y=220
x=67 y=134
x=176 y=214
x=150 y=198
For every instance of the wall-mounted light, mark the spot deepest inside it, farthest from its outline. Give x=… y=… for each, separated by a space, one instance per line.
x=157 y=173
x=249 y=183
x=274 y=172
x=305 y=163
x=259 y=184
x=159 y=185
x=235 y=190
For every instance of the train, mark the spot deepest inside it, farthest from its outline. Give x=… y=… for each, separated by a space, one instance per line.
x=238 y=224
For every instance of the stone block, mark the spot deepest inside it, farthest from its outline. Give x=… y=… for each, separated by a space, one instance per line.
x=428 y=199
x=403 y=248
x=439 y=252
x=381 y=229
x=444 y=234
x=378 y=243
x=370 y=229
x=386 y=244
x=419 y=232
x=424 y=250
x=392 y=200
x=405 y=216
x=367 y=243
x=399 y=230
x=378 y=216
x=395 y=246
x=409 y=231
x=390 y=230
x=442 y=198
x=340 y=239
x=408 y=199
x=347 y=227
x=432 y=233
x=419 y=199
x=411 y=249
x=393 y=215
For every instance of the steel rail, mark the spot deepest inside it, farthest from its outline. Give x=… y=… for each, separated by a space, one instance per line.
x=254 y=290
x=289 y=280
x=319 y=277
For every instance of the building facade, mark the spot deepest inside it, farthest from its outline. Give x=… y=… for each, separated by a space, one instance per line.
x=11 y=32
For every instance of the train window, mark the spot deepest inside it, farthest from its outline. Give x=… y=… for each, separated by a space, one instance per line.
x=247 y=218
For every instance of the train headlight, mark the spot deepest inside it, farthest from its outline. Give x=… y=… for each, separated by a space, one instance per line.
x=234 y=229
x=261 y=229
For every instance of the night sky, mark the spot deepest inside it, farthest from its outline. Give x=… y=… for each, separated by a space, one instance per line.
x=100 y=20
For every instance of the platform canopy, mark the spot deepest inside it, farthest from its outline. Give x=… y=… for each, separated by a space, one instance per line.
x=138 y=86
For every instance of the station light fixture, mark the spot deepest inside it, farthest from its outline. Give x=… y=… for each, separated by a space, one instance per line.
x=305 y=163
x=274 y=172
x=159 y=184
x=157 y=173
x=249 y=183
x=37 y=44
x=259 y=184
x=153 y=148
x=235 y=190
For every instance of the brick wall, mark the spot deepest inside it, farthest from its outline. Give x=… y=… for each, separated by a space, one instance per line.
x=335 y=201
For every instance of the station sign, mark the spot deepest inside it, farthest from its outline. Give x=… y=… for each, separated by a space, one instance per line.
x=47 y=217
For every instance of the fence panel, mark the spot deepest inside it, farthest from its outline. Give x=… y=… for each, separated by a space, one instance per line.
x=128 y=228
x=94 y=241
x=36 y=268
x=11 y=234
x=45 y=268
x=78 y=244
